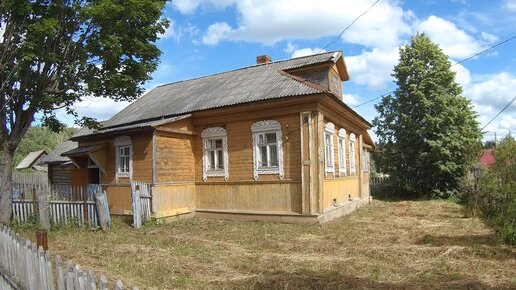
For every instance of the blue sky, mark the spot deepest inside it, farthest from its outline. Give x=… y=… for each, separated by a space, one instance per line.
x=211 y=36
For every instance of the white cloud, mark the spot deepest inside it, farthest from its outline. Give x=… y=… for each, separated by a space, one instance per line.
x=186 y=6
x=372 y=68
x=350 y=100
x=510 y=4
x=98 y=108
x=456 y=43
x=488 y=37
x=462 y=75
x=216 y=32
x=269 y=22
x=306 y=51
x=495 y=92
x=176 y=32
x=170 y=32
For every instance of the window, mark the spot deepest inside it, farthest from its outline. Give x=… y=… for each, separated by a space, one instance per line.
x=342 y=151
x=365 y=160
x=352 y=154
x=336 y=85
x=123 y=147
x=267 y=148
x=329 y=154
x=215 y=160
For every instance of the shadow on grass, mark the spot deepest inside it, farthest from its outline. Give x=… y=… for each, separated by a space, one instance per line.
x=334 y=280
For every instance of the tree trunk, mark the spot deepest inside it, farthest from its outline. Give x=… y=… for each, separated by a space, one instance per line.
x=6 y=175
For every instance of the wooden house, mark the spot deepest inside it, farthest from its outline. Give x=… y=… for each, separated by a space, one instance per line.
x=33 y=160
x=272 y=141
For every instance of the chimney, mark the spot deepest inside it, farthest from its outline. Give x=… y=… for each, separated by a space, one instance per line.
x=263 y=59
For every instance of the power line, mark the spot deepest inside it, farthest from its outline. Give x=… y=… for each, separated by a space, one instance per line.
x=459 y=62
x=344 y=30
x=501 y=111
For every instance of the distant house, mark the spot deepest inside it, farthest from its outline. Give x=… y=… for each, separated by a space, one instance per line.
x=59 y=167
x=272 y=141
x=33 y=161
x=487 y=158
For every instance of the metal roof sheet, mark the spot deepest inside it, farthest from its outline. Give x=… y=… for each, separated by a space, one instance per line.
x=31 y=159
x=55 y=155
x=249 y=84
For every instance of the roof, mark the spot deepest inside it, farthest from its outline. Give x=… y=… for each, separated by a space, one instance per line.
x=55 y=155
x=244 y=85
x=31 y=160
x=81 y=150
x=487 y=159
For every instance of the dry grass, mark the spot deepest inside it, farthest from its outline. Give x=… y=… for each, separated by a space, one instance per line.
x=387 y=245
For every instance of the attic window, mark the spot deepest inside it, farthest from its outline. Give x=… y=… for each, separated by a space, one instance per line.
x=336 y=85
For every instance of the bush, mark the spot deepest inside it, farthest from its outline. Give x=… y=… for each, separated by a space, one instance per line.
x=495 y=199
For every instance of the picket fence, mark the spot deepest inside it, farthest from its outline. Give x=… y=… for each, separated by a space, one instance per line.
x=378 y=180
x=55 y=191
x=61 y=211
x=141 y=202
x=24 y=266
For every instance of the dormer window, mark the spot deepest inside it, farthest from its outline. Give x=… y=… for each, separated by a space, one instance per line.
x=336 y=85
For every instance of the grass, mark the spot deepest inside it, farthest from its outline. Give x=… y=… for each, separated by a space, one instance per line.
x=387 y=245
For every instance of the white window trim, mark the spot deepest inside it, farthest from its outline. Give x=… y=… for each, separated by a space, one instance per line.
x=365 y=160
x=352 y=159
x=123 y=141
x=267 y=126
x=215 y=133
x=329 y=130
x=342 y=152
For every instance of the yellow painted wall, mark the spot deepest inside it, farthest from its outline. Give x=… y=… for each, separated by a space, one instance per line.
x=172 y=199
x=340 y=189
x=285 y=197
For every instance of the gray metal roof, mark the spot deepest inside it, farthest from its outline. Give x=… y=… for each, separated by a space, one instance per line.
x=249 y=84
x=55 y=155
x=81 y=150
x=31 y=159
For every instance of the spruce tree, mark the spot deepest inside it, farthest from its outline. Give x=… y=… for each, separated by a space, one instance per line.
x=428 y=133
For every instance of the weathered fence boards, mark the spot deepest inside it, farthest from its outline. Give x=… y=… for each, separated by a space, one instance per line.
x=141 y=202
x=59 y=211
x=55 y=191
x=35 y=178
x=378 y=180
x=23 y=266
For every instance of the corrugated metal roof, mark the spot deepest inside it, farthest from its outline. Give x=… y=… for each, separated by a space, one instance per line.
x=249 y=84
x=81 y=150
x=30 y=159
x=55 y=155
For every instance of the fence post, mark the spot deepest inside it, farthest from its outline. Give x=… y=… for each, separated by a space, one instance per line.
x=103 y=210
x=43 y=210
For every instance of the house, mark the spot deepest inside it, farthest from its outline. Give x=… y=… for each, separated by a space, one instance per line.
x=33 y=161
x=271 y=141
x=487 y=158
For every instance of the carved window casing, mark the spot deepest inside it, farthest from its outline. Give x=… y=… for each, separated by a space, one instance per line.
x=352 y=161
x=267 y=148
x=215 y=160
x=342 y=151
x=124 y=157
x=329 y=155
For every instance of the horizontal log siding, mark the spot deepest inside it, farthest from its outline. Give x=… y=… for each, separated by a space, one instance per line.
x=240 y=149
x=340 y=189
x=174 y=158
x=142 y=157
x=265 y=197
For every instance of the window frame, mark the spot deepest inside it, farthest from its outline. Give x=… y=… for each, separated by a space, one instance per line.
x=329 y=161
x=263 y=128
x=341 y=139
x=365 y=160
x=336 y=85
x=210 y=134
x=120 y=143
x=352 y=159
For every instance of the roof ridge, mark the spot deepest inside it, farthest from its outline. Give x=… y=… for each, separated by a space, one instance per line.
x=248 y=67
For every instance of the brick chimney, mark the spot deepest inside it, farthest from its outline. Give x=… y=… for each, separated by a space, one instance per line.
x=263 y=59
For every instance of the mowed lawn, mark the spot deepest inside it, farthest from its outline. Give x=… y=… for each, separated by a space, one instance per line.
x=386 y=245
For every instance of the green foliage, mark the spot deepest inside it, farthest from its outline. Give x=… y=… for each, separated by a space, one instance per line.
x=38 y=138
x=428 y=133
x=32 y=223
x=496 y=198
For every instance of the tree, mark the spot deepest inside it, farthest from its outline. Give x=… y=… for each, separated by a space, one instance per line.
x=54 y=52
x=490 y=144
x=427 y=131
x=38 y=138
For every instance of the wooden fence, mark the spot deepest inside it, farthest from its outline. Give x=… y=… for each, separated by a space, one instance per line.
x=34 y=178
x=55 y=191
x=59 y=211
x=23 y=266
x=378 y=180
x=141 y=202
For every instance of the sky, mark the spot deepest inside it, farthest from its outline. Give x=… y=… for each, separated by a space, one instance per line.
x=212 y=36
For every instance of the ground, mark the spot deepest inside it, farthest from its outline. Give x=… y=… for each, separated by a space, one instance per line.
x=386 y=245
